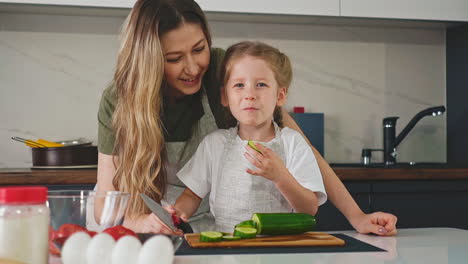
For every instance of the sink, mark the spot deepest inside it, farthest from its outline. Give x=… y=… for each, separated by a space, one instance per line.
x=430 y=165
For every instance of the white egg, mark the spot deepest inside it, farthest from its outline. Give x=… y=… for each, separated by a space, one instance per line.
x=126 y=250
x=72 y=250
x=158 y=249
x=100 y=249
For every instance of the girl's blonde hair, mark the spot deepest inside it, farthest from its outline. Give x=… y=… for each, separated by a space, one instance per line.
x=278 y=62
x=139 y=133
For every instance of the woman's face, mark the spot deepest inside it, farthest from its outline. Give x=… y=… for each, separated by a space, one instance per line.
x=187 y=55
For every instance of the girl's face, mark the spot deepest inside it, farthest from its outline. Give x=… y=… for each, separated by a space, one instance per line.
x=187 y=55
x=251 y=92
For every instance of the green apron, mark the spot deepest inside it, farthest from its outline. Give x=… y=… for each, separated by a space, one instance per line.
x=178 y=155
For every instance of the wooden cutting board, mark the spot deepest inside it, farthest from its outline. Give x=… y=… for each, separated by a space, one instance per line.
x=306 y=239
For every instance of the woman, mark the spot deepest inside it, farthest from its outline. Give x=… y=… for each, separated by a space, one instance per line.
x=164 y=99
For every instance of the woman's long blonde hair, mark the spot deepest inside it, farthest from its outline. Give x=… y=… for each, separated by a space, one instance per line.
x=139 y=77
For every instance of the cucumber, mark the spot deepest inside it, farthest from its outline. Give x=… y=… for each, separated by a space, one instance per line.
x=231 y=238
x=283 y=223
x=245 y=232
x=252 y=145
x=211 y=236
x=247 y=223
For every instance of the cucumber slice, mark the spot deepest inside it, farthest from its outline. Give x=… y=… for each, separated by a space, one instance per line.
x=245 y=232
x=211 y=236
x=247 y=223
x=231 y=238
x=283 y=223
x=252 y=145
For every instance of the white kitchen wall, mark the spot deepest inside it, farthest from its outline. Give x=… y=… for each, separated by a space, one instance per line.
x=53 y=69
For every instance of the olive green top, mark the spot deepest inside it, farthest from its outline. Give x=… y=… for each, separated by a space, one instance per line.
x=178 y=118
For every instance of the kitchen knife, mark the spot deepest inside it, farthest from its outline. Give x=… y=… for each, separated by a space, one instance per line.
x=164 y=215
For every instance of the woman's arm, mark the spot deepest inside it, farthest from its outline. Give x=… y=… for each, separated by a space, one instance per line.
x=378 y=223
x=145 y=223
x=105 y=172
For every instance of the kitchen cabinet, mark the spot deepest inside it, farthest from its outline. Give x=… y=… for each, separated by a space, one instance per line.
x=457 y=67
x=442 y=203
x=438 y=203
x=445 y=10
x=291 y=7
x=419 y=197
x=436 y=13
x=69 y=187
x=329 y=218
x=81 y=3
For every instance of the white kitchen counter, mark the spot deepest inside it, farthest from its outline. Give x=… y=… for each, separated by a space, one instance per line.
x=417 y=245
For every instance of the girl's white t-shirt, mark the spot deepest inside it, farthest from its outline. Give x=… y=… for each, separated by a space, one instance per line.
x=201 y=171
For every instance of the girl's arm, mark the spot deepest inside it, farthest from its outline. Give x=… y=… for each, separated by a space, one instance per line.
x=301 y=199
x=187 y=204
x=270 y=166
x=340 y=197
x=336 y=191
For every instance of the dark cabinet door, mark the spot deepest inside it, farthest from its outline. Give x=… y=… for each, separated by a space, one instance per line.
x=329 y=218
x=423 y=203
x=57 y=187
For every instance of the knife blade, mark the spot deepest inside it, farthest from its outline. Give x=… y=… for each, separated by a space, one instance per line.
x=160 y=212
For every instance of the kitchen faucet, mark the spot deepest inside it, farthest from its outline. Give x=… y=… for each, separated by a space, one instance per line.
x=390 y=141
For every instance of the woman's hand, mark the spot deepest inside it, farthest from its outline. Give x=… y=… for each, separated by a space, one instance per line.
x=177 y=213
x=269 y=164
x=149 y=223
x=379 y=223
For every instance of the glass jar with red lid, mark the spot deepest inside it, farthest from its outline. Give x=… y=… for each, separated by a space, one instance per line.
x=24 y=224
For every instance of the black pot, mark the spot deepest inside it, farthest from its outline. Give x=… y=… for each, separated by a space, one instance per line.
x=65 y=156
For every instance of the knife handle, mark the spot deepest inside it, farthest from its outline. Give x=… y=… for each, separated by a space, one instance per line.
x=185 y=227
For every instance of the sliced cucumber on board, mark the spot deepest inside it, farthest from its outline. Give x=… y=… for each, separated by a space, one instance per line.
x=245 y=232
x=211 y=236
x=265 y=224
x=231 y=238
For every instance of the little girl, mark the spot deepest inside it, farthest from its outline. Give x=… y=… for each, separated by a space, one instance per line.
x=282 y=175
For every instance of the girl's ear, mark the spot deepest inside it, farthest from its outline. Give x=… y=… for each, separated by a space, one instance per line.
x=281 y=96
x=224 y=100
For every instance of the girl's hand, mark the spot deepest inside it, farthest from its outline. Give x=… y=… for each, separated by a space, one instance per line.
x=269 y=164
x=149 y=223
x=379 y=223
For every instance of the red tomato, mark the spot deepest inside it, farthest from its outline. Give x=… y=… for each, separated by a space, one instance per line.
x=53 y=249
x=52 y=233
x=67 y=230
x=63 y=233
x=91 y=233
x=119 y=231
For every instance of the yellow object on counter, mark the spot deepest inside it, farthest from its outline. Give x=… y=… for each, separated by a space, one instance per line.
x=49 y=144
x=43 y=144
x=40 y=143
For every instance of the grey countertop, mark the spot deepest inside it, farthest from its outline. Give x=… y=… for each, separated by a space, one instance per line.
x=420 y=245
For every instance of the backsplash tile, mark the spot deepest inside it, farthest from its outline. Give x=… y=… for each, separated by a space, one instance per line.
x=54 y=68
